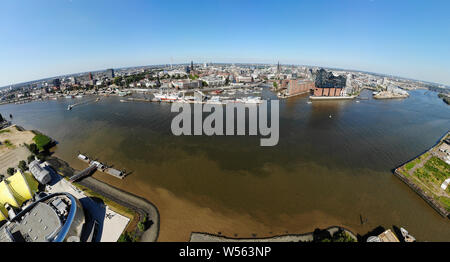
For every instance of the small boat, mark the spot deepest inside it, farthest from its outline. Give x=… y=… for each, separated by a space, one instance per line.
x=78 y=96
x=214 y=100
x=406 y=236
x=98 y=99
x=69 y=107
x=309 y=102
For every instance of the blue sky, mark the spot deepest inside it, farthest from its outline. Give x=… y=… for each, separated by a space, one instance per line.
x=45 y=38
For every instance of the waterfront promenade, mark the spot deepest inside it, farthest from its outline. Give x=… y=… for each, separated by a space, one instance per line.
x=141 y=206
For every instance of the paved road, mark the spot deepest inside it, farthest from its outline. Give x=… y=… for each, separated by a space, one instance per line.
x=138 y=204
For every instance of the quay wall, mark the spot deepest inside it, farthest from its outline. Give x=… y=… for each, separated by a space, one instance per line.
x=433 y=203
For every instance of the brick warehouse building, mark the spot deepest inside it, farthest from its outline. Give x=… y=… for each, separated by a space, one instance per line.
x=296 y=87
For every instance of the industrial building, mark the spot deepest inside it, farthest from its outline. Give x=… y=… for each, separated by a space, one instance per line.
x=42 y=175
x=15 y=191
x=54 y=218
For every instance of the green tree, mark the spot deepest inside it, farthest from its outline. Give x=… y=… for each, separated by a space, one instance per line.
x=30 y=158
x=10 y=171
x=141 y=226
x=23 y=166
x=34 y=149
x=118 y=81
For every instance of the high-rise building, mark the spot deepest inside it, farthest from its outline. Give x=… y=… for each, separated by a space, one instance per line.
x=110 y=73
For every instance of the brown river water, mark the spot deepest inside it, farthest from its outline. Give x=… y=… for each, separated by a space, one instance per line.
x=324 y=171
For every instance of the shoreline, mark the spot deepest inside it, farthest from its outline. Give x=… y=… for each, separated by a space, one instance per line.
x=305 y=237
x=332 y=97
x=143 y=207
x=418 y=190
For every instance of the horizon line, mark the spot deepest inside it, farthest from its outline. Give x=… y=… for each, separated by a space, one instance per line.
x=242 y=63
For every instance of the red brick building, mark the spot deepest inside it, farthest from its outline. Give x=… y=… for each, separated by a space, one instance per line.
x=296 y=87
x=328 y=91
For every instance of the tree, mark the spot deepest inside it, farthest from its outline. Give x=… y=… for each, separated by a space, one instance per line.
x=23 y=166
x=141 y=226
x=30 y=158
x=10 y=171
x=34 y=149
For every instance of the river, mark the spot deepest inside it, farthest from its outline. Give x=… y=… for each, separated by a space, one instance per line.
x=324 y=171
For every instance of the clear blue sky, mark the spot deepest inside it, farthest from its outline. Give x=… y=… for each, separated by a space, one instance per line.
x=44 y=38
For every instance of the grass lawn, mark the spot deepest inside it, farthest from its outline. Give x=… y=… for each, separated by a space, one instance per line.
x=41 y=141
x=433 y=173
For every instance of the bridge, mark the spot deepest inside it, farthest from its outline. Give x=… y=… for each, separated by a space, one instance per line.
x=88 y=171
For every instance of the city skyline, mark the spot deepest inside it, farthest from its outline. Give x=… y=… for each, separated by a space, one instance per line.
x=67 y=37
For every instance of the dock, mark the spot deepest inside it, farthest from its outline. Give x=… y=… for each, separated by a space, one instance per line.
x=102 y=167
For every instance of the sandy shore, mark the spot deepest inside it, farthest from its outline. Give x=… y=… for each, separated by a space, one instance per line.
x=11 y=155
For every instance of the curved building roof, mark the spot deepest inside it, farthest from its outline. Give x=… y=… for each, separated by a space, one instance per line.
x=3 y=213
x=15 y=190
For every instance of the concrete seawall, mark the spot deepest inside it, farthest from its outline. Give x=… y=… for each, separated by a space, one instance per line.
x=307 y=237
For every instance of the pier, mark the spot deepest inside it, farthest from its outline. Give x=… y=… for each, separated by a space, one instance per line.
x=102 y=167
x=87 y=172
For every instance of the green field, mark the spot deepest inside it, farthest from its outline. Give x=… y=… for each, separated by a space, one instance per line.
x=429 y=176
x=42 y=141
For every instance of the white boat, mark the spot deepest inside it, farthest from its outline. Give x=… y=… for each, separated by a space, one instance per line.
x=78 y=96
x=249 y=100
x=407 y=237
x=214 y=100
x=69 y=97
x=167 y=97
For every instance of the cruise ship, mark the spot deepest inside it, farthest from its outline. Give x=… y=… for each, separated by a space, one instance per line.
x=53 y=218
